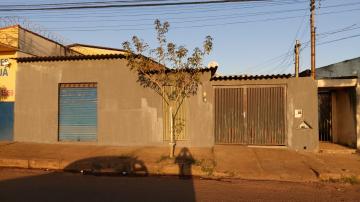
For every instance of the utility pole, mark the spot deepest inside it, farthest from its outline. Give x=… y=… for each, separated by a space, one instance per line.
x=312 y=30
x=297 y=58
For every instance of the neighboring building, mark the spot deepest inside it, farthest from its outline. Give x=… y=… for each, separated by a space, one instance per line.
x=15 y=42
x=347 y=68
x=339 y=105
x=94 y=50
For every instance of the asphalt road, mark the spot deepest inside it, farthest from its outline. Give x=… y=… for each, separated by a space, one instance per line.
x=38 y=185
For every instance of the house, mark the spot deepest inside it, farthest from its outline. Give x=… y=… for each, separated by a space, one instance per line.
x=339 y=106
x=85 y=94
x=57 y=96
x=16 y=41
x=87 y=49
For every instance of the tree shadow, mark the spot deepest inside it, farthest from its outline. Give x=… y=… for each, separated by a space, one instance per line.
x=109 y=165
x=97 y=182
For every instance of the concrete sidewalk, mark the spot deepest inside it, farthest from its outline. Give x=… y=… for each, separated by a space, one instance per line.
x=220 y=161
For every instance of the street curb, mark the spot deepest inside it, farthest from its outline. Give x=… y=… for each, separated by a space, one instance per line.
x=58 y=164
x=15 y=163
x=44 y=164
x=31 y=163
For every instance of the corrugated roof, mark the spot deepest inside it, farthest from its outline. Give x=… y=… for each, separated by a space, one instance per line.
x=250 y=77
x=339 y=77
x=93 y=57
x=169 y=70
x=205 y=69
x=70 y=57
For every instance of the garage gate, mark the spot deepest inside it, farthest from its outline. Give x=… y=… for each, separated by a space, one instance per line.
x=253 y=115
x=78 y=112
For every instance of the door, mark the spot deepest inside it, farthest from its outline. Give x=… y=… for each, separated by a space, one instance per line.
x=250 y=115
x=230 y=125
x=325 y=116
x=6 y=121
x=78 y=112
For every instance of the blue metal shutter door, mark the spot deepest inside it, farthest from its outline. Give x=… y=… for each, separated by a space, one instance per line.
x=6 y=121
x=77 y=113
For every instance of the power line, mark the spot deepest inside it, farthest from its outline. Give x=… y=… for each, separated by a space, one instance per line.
x=244 y=5
x=81 y=7
x=207 y=16
x=77 y=3
x=150 y=26
x=284 y=58
x=329 y=33
x=182 y=27
x=289 y=57
x=339 y=39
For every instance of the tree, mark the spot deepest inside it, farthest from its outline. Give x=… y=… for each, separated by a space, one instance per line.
x=167 y=65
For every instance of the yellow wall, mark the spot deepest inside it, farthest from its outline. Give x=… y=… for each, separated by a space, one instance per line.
x=7 y=76
x=18 y=42
x=94 y=51
x=10 y=36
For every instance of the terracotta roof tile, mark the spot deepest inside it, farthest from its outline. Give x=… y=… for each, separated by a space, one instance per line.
x=250 y=77
x=69 y=57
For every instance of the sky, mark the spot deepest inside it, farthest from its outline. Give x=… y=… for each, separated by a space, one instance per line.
x=249 y=37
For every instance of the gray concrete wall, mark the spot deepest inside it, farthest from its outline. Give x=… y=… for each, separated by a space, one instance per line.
x=200 y=115
x=35 y=44
x=127 y=113
x=301 y=93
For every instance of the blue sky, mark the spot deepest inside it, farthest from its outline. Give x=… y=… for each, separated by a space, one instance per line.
x=249 y=38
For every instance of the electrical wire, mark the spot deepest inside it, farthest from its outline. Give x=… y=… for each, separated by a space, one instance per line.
x=82 y=7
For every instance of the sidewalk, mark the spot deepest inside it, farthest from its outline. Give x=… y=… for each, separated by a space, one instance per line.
x=218 y=162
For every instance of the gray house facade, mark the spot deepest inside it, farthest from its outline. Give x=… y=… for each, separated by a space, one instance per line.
x=95 y=99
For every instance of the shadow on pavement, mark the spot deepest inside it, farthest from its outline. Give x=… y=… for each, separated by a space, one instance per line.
x=71 y=186
x=110 y=165
x=185 y=160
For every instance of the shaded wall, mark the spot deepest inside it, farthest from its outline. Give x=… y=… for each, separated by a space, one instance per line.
x=35 y=44
x=200 y=115
x=344 y=120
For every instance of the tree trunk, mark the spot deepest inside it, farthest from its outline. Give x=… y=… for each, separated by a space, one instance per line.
x=172 y=137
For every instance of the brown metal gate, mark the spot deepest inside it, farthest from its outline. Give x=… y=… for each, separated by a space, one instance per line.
x=250 y=115
x=324 y=116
